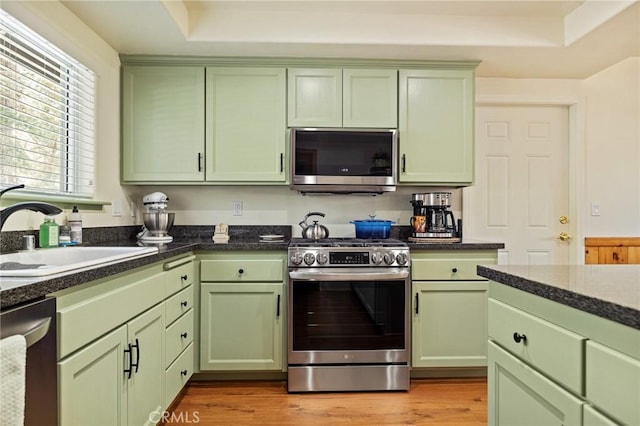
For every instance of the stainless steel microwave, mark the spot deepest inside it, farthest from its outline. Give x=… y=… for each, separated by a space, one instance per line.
x=344 y=160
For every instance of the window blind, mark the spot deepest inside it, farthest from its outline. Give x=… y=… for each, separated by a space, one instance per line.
x=47 y=126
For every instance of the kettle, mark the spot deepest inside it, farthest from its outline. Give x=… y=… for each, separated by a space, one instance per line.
x=315 y=231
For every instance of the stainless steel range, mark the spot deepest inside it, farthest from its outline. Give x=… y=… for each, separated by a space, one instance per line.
x=349 y=315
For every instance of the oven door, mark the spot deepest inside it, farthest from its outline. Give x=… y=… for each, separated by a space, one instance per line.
x=348 y=316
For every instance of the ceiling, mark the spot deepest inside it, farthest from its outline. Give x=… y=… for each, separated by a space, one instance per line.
x=515 y=38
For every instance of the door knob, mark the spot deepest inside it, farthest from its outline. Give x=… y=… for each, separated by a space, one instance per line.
x=563 y=220
x=564 y=236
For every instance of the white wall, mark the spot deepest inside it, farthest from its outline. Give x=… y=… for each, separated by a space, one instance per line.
x=613 y=150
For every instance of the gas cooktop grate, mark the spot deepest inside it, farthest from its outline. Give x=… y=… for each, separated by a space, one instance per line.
x=346 y=242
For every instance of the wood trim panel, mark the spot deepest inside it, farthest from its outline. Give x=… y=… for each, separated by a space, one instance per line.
x=612 y=250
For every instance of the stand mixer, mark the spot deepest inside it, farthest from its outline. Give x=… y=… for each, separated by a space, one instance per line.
x=157 y=221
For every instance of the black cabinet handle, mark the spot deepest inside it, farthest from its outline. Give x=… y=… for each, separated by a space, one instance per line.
x=183 y=373
x=519 y=338
x=184 y=303
x=137 y=363
x=128 y=370
x=281 y=162
x=184 y=277
x=454 y=270
x=278 y=307
x=241 y=271
x=404 y=163
x=417 y=303
x=184 y=335
x=199 y=161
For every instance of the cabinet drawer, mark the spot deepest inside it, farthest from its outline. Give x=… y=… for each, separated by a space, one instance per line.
x=178 y=336
x=613 y=383
x=178 y=304
x=80 y=323
x=555 y=351
x=250 y=270
x=178 y=374
x=447 y=269
x=179 y=277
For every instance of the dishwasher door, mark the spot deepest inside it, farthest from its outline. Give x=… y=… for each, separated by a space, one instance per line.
x=37 y=322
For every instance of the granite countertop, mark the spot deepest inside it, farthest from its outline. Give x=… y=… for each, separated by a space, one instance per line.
x=608 y=291
x=187 y=239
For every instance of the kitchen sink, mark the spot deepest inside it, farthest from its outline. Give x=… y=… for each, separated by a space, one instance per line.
x=48 y=261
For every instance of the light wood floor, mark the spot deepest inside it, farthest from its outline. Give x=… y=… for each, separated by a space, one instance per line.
x=429 y=401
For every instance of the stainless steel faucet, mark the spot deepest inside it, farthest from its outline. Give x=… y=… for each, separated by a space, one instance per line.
x=36 y=206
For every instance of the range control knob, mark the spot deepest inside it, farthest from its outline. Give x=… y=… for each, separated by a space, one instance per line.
x=296 y=258
x=376 y=258
x=401 y=258
x=322 y=258
x=389 y=258
x=309 y=258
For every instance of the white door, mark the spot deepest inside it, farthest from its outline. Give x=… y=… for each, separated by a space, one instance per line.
x=521 y=192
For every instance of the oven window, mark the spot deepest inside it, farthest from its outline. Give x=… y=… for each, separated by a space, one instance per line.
x=348 y=315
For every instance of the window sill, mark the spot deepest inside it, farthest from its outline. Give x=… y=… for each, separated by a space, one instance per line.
x=60 y=201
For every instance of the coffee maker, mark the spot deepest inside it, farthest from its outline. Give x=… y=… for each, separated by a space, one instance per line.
x=432 y=217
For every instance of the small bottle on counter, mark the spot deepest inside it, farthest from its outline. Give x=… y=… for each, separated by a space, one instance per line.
x=64 y=238
x=49 y=232
x=75 y=223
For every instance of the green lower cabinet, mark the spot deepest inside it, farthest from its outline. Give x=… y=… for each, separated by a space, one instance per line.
x=92 y=385
x=592 y=417
x=241 y=326
x=96 y=389
x=449 y=324
x=519 y=395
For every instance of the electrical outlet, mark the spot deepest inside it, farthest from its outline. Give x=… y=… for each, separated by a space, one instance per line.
x=595 y=208
x=134 y=208
x=237 y=208
x=116 y=208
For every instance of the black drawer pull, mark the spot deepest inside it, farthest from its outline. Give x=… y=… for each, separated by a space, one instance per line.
x=454 y=270
x=183 y=373
x=137 y=363
x=278 y=307
x=130 y=369
x=519 y=337
x=184 y=303
x=241 y=271
x=184 y=277
x=184 y=335
x=417 y=303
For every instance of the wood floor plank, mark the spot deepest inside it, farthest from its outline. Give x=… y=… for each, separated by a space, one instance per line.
x=429 y=401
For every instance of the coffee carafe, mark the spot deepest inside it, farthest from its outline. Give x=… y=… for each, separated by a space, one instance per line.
x=432 y=217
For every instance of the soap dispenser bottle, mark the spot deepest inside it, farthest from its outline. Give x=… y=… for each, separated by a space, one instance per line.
x=75 y=223
x=49 y=232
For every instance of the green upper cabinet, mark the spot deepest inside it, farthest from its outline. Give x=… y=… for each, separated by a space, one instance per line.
x=436 y=126
x=370 y=98
x=246 y=125
x=328 y=97
x=162 y=123
x=314 y=97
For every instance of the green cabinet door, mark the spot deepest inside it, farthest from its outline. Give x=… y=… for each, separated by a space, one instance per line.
x=241 y=326
x=314 y=97
x=436 y=118
x=246 y=125
x=162 y=124
x=592 y=417
x=92 y=383
x=370 y=98
x=449 y=324
x=146 y=386
x=519 y=395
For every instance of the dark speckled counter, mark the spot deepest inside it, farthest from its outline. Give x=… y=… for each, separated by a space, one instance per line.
x=608 y=291
x=187 y=239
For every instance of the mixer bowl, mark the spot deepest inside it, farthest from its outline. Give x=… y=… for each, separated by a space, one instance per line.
x=158 y=224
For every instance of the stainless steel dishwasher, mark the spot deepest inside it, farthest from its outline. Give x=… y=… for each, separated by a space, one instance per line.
x=36 y=321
